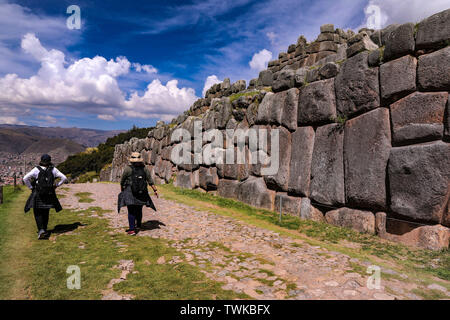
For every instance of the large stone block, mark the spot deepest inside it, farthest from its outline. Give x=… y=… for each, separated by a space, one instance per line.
x=265 y=78
x=255 y=193
x=264 y=109
x=280 y=180
x=433 y=30
x=361 y=221
x=434 y=71
x=309 y=212
x=367 y=143
x=185 y=180
x=400 y=42
x=357 y=86
x=433 y=237
x=359 y=43
x=289 y=112
x=290 y=205
x=317 y=103
x=327 y=167
x=419 y=178
x=284 y=81
x=418 y=117
x=228 y=188
x=398 y=78
x=301 y=157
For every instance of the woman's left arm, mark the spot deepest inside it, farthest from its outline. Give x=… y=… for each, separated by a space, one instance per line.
x=60 y=175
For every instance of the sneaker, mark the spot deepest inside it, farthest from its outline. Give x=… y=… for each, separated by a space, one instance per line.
x=41 y=234
x=131 y=233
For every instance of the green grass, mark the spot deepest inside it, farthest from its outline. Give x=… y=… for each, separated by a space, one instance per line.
x=33 y=269
x=84 y=197
x=416 y=263
x=88 y=177
x=246 y=94
x=13 y=244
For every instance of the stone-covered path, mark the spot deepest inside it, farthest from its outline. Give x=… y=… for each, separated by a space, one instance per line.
x=261 y=263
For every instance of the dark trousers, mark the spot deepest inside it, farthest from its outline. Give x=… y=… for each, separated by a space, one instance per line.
x=134 y=216
x=41 y=217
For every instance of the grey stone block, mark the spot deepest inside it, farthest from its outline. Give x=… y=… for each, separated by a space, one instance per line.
x=367 y=143
x=398 y=78
x=419 y=181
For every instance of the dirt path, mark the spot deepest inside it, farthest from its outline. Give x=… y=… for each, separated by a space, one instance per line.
x=248 y=259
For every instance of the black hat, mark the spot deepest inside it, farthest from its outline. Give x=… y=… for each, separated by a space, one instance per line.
x=46 y=159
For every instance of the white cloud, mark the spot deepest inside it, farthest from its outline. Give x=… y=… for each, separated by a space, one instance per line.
x=144 y=67
x=88 y=85
x=272 y=36
x=260 y=60
x=48 y=119
x=18 y=20
x=210 y=81
x=10 y=120
x=380 y=13
x=159 y=101
x=106 y=117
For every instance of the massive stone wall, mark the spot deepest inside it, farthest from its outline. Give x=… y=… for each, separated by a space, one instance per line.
x=364 y=127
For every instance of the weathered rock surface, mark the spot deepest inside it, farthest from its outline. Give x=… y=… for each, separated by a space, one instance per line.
x=434 y=30
x=419 y=178
x=400 y=42
x=309 y=212
x=367 y=143
x=327 y=167
x=380 y=223
x=228 y=188
x=280 y=180
x=301 y=157
x=418 y=117
x=433 y=237
x=317 y=103
x=434 y=71
x=208 y=178
x=357 y=86
x=284 y=81
x=398 y=78
x=447 y=120
x=289 y=111
x=362 y=221
x=290 y=205
x=255 y=193
x=185 y=180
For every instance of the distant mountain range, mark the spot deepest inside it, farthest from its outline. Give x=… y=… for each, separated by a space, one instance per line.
x=25 y=134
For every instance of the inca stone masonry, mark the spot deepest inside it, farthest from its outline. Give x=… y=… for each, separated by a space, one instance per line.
x=364 y=131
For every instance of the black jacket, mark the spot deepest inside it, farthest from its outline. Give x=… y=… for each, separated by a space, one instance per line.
x=47 y=202
x=126 y=198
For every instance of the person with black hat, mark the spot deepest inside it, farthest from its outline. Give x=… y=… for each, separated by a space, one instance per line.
x=134 y=195
x=43 y=196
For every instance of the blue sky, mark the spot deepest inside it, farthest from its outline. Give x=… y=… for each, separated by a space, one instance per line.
x=137 y=62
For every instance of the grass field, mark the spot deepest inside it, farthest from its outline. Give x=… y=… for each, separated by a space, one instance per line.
x=37 y=269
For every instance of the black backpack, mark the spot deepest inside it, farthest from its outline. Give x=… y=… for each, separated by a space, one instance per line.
x=45 y=182
x=139 y=182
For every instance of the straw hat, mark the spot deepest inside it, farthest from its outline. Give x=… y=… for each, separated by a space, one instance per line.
x=136 y=157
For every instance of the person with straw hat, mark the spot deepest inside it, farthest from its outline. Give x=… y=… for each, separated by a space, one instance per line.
x=134 y=195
